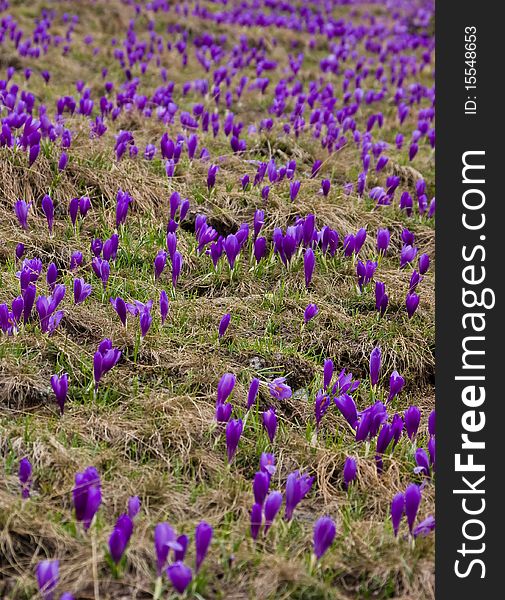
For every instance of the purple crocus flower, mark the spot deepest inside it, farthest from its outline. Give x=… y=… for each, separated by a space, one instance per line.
x=133 y=506
x=310 y=312
x=81 y=290
x=60 y=389
x=375 y=365
x=412 y=502
x=321 y=405
x=176 y=267
x=20 y=250
x=223 y=324
x=407 y=255
x=87 y=495
x=102 y=270
x=25 y=477
x=75 y=260
x=104 y=359
x=279 y=389
x=119 y=305
x=327 y=372
x=396 y=383
x=180 y=576
x=350 y=470
x=51 y=275
x=48 y=209
x=422 y=462
x=425 y=527
x=233 y=433
x=273 y=504
x=383 y=238
x=159 y=263
x=397 y=510
x=294 y=188
x=211 y=176
x=73 y=209
x=260 y=248
x=164 y=541
x=411 y=303
x=309 y=262
x=21 y=210
x=231 y=248
x=297 y=487
x=324 y=534
x=431 y=423
x=270 y=423
x=62 y=163
x=183 y=542
x=225 y=387
x=47 y=572
x=253 y=392
x=256 y=520
x=424 y=263
x=261 y=483
x=203 y=538
x=163 y=306
x=325 y=187
x=412 y=419
x=347 y=407
x=120 y=537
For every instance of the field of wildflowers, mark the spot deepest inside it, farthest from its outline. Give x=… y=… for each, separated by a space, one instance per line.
x=217 y=299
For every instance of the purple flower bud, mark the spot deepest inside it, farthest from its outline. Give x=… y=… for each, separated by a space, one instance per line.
x=60 y=389
x=21 y=210
x=203 y=538
x=223 y=324
x=412 y=502
x=424 y=263
x=375 y=365
x=233 y=433
x=397 y=510
x=396 y=383
x=408 y=254
x=411 y=303
x=310 y=312
x=297 y=487
x=48 y=209
x=412 y=418
x=52 y=275
x=180 y=576
x=159 y=263
x=163 y=306
x=324 y=534
x=253 y=392
x=309 y=261
x=164 y=541
x=133 y=506
x=325 y=186
x=47 y=572
x=87 y=495
x=383 y=237
x=273 y=504
x=431 y=423
x=350 y=470
x=327 y=373
x=25 y=477
x=20 y=250
x=261 y=483
x=270 y=423
x=256 y=520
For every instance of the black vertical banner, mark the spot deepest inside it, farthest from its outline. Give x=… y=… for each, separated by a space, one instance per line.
x=469 y=247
